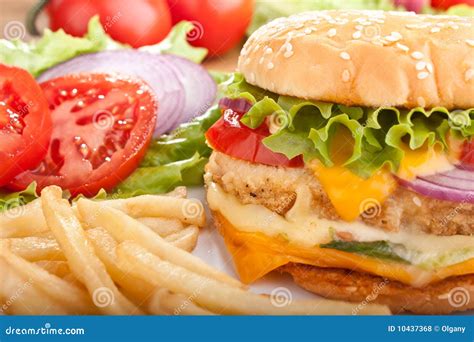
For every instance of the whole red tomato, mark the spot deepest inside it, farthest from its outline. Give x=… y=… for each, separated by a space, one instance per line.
x=219 y=24
x=445 y=4
x=137 y=22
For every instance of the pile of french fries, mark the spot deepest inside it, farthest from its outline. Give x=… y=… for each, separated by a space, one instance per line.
x=123 y=257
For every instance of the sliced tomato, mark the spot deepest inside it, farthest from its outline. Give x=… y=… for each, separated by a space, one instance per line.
x=228 y=135
x=102 y=127
x=25 y=123
x=468 y=153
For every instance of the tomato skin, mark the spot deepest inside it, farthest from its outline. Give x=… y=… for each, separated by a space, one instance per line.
x=228 y=135
x=220 y=25
x=21 y=95
x=144 y=22
x=445 y=4
x=102 y=126
x=467 y=156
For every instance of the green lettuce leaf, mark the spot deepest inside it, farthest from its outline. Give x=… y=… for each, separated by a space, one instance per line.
x=175 y=159
x=11 y=200
x=378 y=136
x=54 y=47
x=176 y=43
x=374 y=249
x=57 y=47
x=461 y=10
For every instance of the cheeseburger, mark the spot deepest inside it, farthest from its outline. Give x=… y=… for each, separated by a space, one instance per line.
x=345 y=157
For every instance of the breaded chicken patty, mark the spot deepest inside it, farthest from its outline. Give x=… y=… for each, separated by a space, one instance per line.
x=275 y=188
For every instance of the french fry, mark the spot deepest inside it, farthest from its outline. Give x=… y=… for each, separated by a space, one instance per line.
x=105 y=248
x=164 y=302
x=74 y=299
x=22 y=221
x=162 y=226
x=84 y=264
x=122 y=227
x=222 y=298
x=188 y=211
x=185 y=239
x=35 y=248
x=179 y=191
x=58 y=268
x=19 y=296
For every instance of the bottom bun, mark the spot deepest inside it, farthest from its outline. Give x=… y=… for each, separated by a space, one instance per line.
x=446 y=296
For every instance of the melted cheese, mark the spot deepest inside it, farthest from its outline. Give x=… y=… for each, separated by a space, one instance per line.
x=423 y=162
x=352 y=195
x=261 y=241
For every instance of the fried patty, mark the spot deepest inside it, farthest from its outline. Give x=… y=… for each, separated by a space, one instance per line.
x=443 y=297
x=275 y=188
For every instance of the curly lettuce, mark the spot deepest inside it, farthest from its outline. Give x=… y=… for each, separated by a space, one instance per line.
x=57 y=47
x=378 y=136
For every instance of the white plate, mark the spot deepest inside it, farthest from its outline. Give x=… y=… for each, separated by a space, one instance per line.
x=211 y=249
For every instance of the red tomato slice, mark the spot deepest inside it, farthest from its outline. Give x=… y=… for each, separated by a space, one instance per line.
x=228 y=135
x=468 y=153
x=25 y=123
x=102 y=128
x=445 y=4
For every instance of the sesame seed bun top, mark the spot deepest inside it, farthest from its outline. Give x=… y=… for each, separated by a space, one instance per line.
x=365 y=58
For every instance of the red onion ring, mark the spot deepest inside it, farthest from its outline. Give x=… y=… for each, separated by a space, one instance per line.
x=237 y=105
x=456 y=185
x=183 y=89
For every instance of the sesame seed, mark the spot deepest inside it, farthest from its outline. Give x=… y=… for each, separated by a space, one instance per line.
x=417 y=55
x=268 y=50
x=422 y=75
x=346 y=76
x=403 y=47
x=357 y=35
x=288 y=54
x=359 y=27
x=429 y=67
x=435 y=30
x=420 y=66
x=307 y=30
x=261 y=60
x=270 y=66
x=345 y=56
x=469 y=75
x=332 y=32
x=470 y=42
x=417 y=201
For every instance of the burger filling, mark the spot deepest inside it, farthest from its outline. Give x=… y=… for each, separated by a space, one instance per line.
x=363 y=161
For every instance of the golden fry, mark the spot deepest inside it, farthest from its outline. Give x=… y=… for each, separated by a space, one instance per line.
x=122 y=227
x=84 y=263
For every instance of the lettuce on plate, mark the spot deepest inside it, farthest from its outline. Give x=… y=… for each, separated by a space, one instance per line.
x=56 y=47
